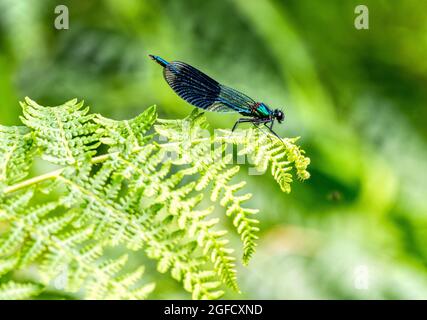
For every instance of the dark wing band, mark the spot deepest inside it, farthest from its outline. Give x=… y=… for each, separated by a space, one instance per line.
x=202 y=91
x=192 y=85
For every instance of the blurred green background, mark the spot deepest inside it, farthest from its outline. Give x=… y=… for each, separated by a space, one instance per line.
x=358 y=227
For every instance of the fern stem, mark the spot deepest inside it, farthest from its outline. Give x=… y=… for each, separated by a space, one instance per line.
x=47 y=176
x=29 y=182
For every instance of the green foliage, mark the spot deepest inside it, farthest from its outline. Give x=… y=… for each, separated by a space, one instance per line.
x=64 y=134
x=122 y=184
x=15 y=152
x=13 y=291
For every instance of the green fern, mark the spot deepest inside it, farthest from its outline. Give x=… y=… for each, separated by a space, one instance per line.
x=143 y=192
x=16 y=149
x=12 y=290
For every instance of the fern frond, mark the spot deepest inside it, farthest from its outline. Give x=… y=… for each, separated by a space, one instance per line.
x=264 y=150
x=118 y=286
x=145 y=163
x=141 y=169
x=16 y=152
x=144 y=193
x=7 y=265
x=31 y=236
x=212 y=168
x=65 y=134
x=12 y=290
x=245 y=226
x=126 y=134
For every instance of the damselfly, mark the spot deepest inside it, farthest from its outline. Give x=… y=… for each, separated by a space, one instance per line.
x=204 y=92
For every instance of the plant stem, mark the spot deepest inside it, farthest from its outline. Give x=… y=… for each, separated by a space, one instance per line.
x=48 y=176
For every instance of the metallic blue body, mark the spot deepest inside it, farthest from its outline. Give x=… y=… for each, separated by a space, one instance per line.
x=159 y=60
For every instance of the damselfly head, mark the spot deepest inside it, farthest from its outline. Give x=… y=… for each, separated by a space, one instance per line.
x=279 y=115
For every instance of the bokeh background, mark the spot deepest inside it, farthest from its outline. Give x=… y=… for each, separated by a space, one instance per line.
x=358 y=99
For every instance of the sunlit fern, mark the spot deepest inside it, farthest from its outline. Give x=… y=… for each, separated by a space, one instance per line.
x=135 y=183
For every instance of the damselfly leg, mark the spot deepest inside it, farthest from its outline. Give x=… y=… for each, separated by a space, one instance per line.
x=241 y=120
x=257 y=122
x=270 y=128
